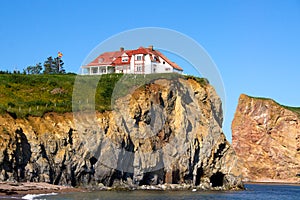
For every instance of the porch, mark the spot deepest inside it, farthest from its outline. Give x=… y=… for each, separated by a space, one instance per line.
x=97 y=70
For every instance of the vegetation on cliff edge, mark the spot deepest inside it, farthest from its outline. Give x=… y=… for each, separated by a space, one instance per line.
x=34 y=95
x=293 y=109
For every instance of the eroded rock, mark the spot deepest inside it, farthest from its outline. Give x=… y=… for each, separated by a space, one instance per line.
x=266 y=136
x=168 y=131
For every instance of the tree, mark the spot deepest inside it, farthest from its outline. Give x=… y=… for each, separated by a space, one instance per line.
x=34 y=69
x=49 y=66
x=16 y=71
x=54 y=66
x=5 y=72
x=59 y=65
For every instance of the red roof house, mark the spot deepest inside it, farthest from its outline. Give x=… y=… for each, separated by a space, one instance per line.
x=137 y=61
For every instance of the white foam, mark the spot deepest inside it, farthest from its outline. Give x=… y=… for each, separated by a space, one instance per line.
x=32 y=196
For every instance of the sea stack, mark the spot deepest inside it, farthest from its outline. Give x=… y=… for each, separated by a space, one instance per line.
x=266 y=138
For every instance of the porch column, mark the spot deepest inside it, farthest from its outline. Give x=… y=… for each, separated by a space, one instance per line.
x=106 y=69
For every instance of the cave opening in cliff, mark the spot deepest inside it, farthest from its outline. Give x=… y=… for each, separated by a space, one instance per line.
x=93 y=160
x=152 y=178
x=217 y=179
x=175 y=176
x=198 y=176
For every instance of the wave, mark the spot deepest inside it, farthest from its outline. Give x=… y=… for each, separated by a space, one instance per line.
x=32 y=196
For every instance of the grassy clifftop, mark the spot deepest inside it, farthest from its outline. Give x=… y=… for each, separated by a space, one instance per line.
x=35 y=95
x=293 y=109
x=23 y=95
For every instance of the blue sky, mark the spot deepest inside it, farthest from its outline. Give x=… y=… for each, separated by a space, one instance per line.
x=255 y=44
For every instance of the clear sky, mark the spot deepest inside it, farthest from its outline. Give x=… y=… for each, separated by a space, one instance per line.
x=255 y=44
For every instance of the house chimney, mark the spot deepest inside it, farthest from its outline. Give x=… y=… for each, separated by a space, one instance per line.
x=121 y=48
x=150 y=47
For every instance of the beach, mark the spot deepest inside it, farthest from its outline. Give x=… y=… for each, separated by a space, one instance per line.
x=23 y=188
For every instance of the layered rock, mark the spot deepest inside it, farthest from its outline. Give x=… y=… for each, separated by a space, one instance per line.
x=266 y=138
x=167 y=131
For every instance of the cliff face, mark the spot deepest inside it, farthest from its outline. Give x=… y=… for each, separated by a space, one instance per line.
x=266 y=138
x=168 y=131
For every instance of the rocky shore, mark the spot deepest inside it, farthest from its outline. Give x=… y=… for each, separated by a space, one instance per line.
x=21 y=189
x=160 y=187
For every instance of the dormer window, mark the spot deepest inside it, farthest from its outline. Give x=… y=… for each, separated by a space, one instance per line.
x=138 y=57
x=100 y=60
x=124 y=59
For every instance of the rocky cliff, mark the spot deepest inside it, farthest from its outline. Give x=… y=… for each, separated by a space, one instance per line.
x=266 y=138
x=167 y=131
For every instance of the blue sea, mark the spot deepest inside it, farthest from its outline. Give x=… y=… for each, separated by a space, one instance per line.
x=253 y=191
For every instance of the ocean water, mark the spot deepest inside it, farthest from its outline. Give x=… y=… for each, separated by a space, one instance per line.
x=254 y=191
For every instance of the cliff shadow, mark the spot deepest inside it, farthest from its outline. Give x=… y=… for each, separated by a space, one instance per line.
x=22 y=154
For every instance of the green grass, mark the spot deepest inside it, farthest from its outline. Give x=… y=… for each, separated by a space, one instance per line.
x=293 y=109
x=23 y=95
x=33 y=95
x=201 y=81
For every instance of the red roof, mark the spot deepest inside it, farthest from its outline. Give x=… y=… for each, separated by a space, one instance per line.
x=173 y=64
x=106 y=58
x=119 y=61
x=140 y=50
x=115 y=58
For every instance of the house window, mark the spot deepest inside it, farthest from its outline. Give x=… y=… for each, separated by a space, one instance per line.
x=138 y=57
x=103 y=71
x=94 y=70
x=167 y=69
x=125 y=59
x=139 y=68
x=164 y=62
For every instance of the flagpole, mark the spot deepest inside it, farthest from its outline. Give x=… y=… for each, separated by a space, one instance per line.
x=58 y=64
x=59 y=55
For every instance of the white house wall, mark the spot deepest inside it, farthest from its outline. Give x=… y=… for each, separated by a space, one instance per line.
x=163 y=68
x=132 y=65
x=152 y=67
x=148 y=64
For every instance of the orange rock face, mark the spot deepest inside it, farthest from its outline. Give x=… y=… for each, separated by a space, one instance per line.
x=266 y=138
